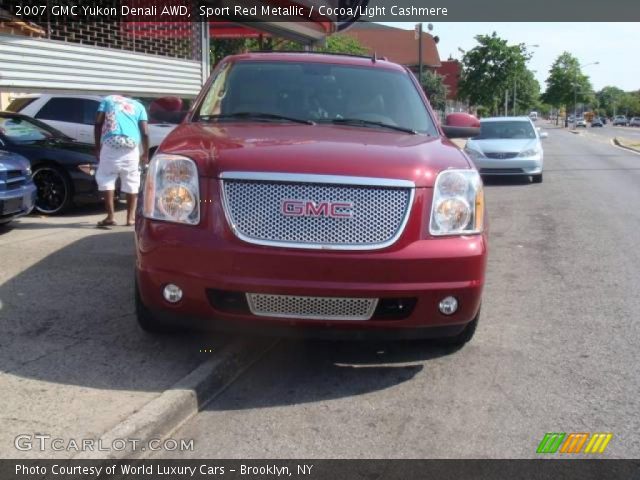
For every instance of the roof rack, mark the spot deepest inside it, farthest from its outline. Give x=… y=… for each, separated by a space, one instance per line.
x=317 y=53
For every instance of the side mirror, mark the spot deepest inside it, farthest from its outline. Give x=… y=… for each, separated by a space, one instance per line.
x=461 y=125
x=544 y=134
x=460 y=132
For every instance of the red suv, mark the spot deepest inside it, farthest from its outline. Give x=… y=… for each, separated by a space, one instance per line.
x=316 y=194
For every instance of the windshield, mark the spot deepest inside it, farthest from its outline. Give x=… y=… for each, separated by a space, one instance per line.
x=319 y=93
x=506 y=129
x=20 y=130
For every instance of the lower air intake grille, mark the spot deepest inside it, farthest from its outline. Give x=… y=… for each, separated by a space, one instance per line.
x=314 y=308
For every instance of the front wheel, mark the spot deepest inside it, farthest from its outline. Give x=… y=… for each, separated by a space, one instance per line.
x=54 y=190
x=537 y=178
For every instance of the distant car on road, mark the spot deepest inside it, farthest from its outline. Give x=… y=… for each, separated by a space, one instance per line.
x=17 y=191
x=581 y=122
x=63 y=169
x=634 y=122
x=508 y=146
x=597 y=122
x=74 y=115
x=620 y=120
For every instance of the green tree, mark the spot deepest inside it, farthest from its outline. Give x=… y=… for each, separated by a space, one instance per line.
x=527 y=92
x=435 y=89
x=566 y=84
x=609 y=99
x=489 y=70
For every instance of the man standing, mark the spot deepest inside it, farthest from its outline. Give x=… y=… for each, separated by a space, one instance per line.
x=122 y=144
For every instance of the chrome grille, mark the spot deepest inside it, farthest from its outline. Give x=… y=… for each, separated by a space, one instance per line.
x=313 y=308
x=379 y=210
x=501 y=155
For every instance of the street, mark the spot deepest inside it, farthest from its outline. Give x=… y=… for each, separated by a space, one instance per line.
x=556 y=350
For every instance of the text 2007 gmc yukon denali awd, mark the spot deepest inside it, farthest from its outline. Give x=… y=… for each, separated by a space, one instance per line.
x=313 y=194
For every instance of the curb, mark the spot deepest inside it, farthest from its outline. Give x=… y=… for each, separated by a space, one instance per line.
x=617 y=143
x=165 y=413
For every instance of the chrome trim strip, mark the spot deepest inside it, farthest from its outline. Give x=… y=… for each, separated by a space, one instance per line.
x=313 y=178
x=252 y=307
x=318 y=179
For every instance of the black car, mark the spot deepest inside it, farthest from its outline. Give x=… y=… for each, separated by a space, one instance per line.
x=597 y=122
x=63 y=169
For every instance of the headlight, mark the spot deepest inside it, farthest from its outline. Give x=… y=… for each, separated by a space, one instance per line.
x=458 y=203
x=171 y=191
x=532 y=152
x=473 y=154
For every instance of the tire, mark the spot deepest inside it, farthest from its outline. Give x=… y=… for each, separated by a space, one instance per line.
x=146 y=319
x=536 y=178
x=463 y=337
x=54 y=190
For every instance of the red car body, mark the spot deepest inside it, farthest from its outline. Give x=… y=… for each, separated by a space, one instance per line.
x=215 y=267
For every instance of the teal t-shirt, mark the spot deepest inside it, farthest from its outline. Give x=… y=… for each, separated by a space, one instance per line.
x=121 y=117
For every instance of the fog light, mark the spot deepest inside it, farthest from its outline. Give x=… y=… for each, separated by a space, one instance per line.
x=172 y=293
x=448 y=305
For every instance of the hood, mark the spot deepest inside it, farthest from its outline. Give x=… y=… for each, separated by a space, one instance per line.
x=12 y=161
x=502 y=145
x=314 y=149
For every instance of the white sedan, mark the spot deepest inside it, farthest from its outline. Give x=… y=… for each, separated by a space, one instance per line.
x=508 y=146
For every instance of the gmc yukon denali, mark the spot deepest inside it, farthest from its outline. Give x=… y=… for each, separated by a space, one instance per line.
x=312 y=194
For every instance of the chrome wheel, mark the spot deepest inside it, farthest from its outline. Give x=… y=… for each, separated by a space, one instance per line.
x=53 y=190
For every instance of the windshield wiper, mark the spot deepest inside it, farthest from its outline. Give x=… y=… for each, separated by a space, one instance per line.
x=254 y=115
x=371 y=123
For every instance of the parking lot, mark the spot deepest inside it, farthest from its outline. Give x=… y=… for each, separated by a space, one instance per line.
x=556 y=349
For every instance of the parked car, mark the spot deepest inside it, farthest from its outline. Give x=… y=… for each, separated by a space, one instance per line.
x=333 y=205
x=74 y=115
x=620 y=120
x=597 y=122
x=533 y=116
x=508 y=146
x=63 y=169
x=581 y=122
x=17 y=191
x=634 y=122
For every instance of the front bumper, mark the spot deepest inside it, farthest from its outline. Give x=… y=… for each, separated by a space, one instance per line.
x=17 y=202
x=209 y=257
x=510 y=166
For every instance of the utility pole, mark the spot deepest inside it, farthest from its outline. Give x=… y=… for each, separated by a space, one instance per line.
x=506 y=103
x=515 y=82
x=575 y=90
x=419 y=35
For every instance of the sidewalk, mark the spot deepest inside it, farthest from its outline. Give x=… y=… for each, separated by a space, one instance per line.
x=74 y=363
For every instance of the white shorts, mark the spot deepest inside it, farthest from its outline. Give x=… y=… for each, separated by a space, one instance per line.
x=118 y=162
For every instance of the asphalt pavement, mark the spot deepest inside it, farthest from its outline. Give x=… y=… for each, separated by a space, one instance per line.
x=73 y=362
x=556 y=349
x=609 y=131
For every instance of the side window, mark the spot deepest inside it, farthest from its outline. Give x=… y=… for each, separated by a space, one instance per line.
x=62 y=109
x=89 y=110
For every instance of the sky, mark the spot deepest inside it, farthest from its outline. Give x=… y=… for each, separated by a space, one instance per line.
x=614 y=45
